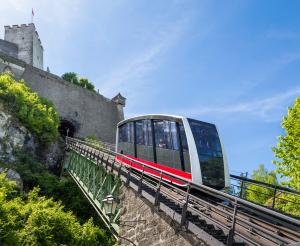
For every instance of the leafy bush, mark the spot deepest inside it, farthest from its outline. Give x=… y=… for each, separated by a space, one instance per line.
x=83 y=82
x=36 y=113
x=261 y=194
x=34 y=174
x=37 y=220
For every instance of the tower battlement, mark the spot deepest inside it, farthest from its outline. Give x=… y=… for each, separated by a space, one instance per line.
x=27 y=39
x=19 y=26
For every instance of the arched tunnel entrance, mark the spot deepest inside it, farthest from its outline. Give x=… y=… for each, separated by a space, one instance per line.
x=66 y=128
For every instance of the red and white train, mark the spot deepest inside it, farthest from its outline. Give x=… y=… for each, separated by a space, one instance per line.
x=181 y=146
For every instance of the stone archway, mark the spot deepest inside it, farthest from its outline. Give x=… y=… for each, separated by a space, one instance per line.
x=7 y=69
x=66 y=128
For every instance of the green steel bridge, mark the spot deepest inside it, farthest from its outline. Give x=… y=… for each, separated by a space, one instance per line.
x=215 y=217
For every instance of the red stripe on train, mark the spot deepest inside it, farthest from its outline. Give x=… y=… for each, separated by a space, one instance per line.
x=158 y=166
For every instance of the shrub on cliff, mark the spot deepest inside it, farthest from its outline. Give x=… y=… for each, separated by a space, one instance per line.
x=36 y=113
x=35 y=220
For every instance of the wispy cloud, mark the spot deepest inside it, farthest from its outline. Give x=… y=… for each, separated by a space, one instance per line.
x=129 y=76
x=59 y=14
x=268 y=109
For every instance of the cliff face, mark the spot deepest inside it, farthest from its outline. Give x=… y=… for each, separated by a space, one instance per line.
x=15 y=138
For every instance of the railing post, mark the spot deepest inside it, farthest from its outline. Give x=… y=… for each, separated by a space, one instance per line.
x=184 y=208
x=113 y=165
x=106 y=163
x=156 y=200
x=242 y=189
x=141 y=181
x=274 y=198
x=230 y=239
x=119 y=171
x=128 y=174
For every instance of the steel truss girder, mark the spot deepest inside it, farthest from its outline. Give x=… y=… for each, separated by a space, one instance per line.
x=90 y=174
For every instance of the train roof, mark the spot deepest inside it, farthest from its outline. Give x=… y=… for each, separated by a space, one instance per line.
x=152 y=116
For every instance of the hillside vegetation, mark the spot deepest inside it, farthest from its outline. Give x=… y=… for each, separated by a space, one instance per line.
x=37 y=114
x=48 y=210
x=31 y=219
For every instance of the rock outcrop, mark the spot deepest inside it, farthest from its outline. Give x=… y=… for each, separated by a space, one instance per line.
x=14 y=136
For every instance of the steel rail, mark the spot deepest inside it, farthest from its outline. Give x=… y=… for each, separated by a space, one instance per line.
x=90 y=150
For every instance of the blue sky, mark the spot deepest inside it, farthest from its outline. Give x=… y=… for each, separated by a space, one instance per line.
x=232 y=63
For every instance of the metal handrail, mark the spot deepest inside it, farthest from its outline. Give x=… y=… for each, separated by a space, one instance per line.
x=277 y=187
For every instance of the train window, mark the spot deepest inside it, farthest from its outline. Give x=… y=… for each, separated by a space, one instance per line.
x=174 y=136
x=206 y=138
x=126 y=133
x=143 y=132
x=130 y=132
x=147 y=132
x=183 y=138
x=139 y=132
x=122 y=133
x=166 y=134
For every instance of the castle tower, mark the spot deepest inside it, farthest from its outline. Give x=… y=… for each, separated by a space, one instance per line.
x=120 y=101
x=30 y=48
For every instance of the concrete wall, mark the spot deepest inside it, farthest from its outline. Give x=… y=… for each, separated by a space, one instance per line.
x=143 y=226
x=9 y=48
x=29 y=44
x=90 y=112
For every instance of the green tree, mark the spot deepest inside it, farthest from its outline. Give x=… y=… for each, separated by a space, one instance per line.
x=71 y=77
x=287 y=153
x=260 y=194
x=288 y=148
x=86 y=84
x=83 y=82
x=36 y=220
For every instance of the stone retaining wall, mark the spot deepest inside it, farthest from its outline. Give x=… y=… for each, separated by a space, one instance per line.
x=143 y=225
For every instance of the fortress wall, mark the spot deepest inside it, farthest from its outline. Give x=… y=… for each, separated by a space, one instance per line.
x=9 y=48
x=90 y=112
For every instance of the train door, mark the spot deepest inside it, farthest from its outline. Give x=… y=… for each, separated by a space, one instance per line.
x=126 y=139
x=144 y=142
x=167 y=146
x=184 y=148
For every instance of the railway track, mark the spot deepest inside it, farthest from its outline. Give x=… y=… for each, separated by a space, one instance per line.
x=213 y=216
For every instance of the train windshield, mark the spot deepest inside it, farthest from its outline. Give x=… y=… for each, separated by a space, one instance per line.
x=210 y=153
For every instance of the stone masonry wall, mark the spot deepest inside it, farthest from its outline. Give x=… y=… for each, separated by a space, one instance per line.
x=89 y=112
x=9 y=48
x=22 y=36
x=142 y=225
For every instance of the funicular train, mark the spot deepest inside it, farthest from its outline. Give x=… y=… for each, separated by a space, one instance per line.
x=181 y=146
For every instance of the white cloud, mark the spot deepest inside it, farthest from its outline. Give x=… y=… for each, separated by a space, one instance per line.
x=269 y=109
x=58 y=13
x=128 y=77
